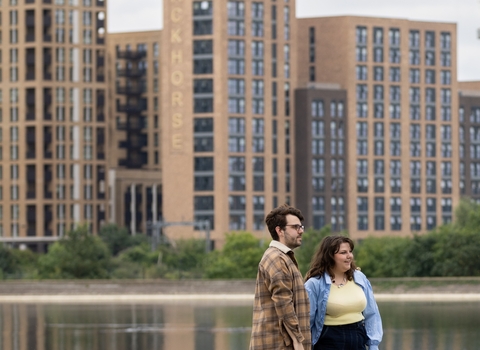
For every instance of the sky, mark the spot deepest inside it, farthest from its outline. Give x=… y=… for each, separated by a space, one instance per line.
x=128 y=15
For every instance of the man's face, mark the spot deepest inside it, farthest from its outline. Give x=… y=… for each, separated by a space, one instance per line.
x=291 y=234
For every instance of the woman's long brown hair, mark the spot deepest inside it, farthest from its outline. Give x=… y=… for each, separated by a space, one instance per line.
x=323 y=259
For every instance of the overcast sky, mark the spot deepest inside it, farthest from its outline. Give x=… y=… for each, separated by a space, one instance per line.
x=128 y=15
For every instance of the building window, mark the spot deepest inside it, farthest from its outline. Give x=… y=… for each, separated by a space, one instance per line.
x=378 y=73
x=203 y=66
x=414 y=76
x=378 y=36
x=361 y=54
x=361 y=72
x=377 y=54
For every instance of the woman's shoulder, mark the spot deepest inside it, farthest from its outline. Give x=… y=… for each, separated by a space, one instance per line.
x=315 y=280
x=359 y=274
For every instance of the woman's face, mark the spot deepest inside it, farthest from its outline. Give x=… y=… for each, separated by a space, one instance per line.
x=343 y=258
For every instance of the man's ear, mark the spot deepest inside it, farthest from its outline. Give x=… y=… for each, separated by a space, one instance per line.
x=279 y=231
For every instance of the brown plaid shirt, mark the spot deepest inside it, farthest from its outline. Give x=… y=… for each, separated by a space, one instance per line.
x=281 y=302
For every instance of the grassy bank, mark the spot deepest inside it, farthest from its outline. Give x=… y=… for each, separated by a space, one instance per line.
x=426 y=285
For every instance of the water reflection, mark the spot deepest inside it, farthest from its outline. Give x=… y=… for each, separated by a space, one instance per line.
x=212 y=325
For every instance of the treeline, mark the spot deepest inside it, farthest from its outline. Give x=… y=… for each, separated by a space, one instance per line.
x=449 y=250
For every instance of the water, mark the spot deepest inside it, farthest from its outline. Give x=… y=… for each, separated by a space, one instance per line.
x=213 y=325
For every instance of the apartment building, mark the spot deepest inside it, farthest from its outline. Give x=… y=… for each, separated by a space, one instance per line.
x=227 y=112
x=134 y=163
x=469 y=135
x=401 y=126
x=229 y=72
x=320 y=139
x=53 y=126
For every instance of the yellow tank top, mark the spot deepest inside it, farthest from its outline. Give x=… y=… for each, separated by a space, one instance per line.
x=345 y=304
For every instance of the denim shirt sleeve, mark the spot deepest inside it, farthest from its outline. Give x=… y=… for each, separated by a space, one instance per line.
x=373 y=321
x=318 y=290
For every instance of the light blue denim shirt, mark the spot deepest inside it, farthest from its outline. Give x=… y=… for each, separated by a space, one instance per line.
x=318 y=290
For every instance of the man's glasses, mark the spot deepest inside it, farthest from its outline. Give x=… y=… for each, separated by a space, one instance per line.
x=297 y=227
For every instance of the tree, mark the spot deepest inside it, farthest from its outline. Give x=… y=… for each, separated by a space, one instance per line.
x=456 y=252
x=310 y=241
x=382 y=256
x=467 y=216
x=118 y=238
x=419 y=255
x=7 y=261
x=78 y=255
x=238 y=259
x=133 y=262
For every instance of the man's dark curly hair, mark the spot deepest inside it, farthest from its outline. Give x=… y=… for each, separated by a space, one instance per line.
x=277 y=217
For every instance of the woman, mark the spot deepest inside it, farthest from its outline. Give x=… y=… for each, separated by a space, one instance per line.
x=343 y=311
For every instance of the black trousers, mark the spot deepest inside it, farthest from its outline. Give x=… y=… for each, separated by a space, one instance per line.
x=345 y=337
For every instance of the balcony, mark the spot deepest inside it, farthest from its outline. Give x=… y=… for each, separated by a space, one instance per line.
x=121 y=126
x=100 y=100
x=47 y=58
x=30 y=136
x=134 y=143
x=47 y=20
x=30 y=59
x=133 y=124
x=101 y=215
x=130 y=90
x=31 y=176
x=47 y=138
x=30 y=21
x=131 y=73
x=131 y=55
x=30 y=99
x=31 y=154
x=137 y=162
x=130 y=109
x=47 y=100
x=31 y=216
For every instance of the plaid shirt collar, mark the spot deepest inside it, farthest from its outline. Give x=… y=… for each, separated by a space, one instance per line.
x=281 y=246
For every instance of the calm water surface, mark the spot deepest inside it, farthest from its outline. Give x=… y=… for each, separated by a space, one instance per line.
x=209 y=325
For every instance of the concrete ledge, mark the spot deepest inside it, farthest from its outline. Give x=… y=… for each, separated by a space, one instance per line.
x=126 y=298
x=126 y=287
x=428 y=297
x=215 y=299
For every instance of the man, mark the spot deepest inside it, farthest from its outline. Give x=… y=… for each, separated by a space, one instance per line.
x=281 y=309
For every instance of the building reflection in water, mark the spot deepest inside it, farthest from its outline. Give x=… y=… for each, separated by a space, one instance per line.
x=209 y=325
